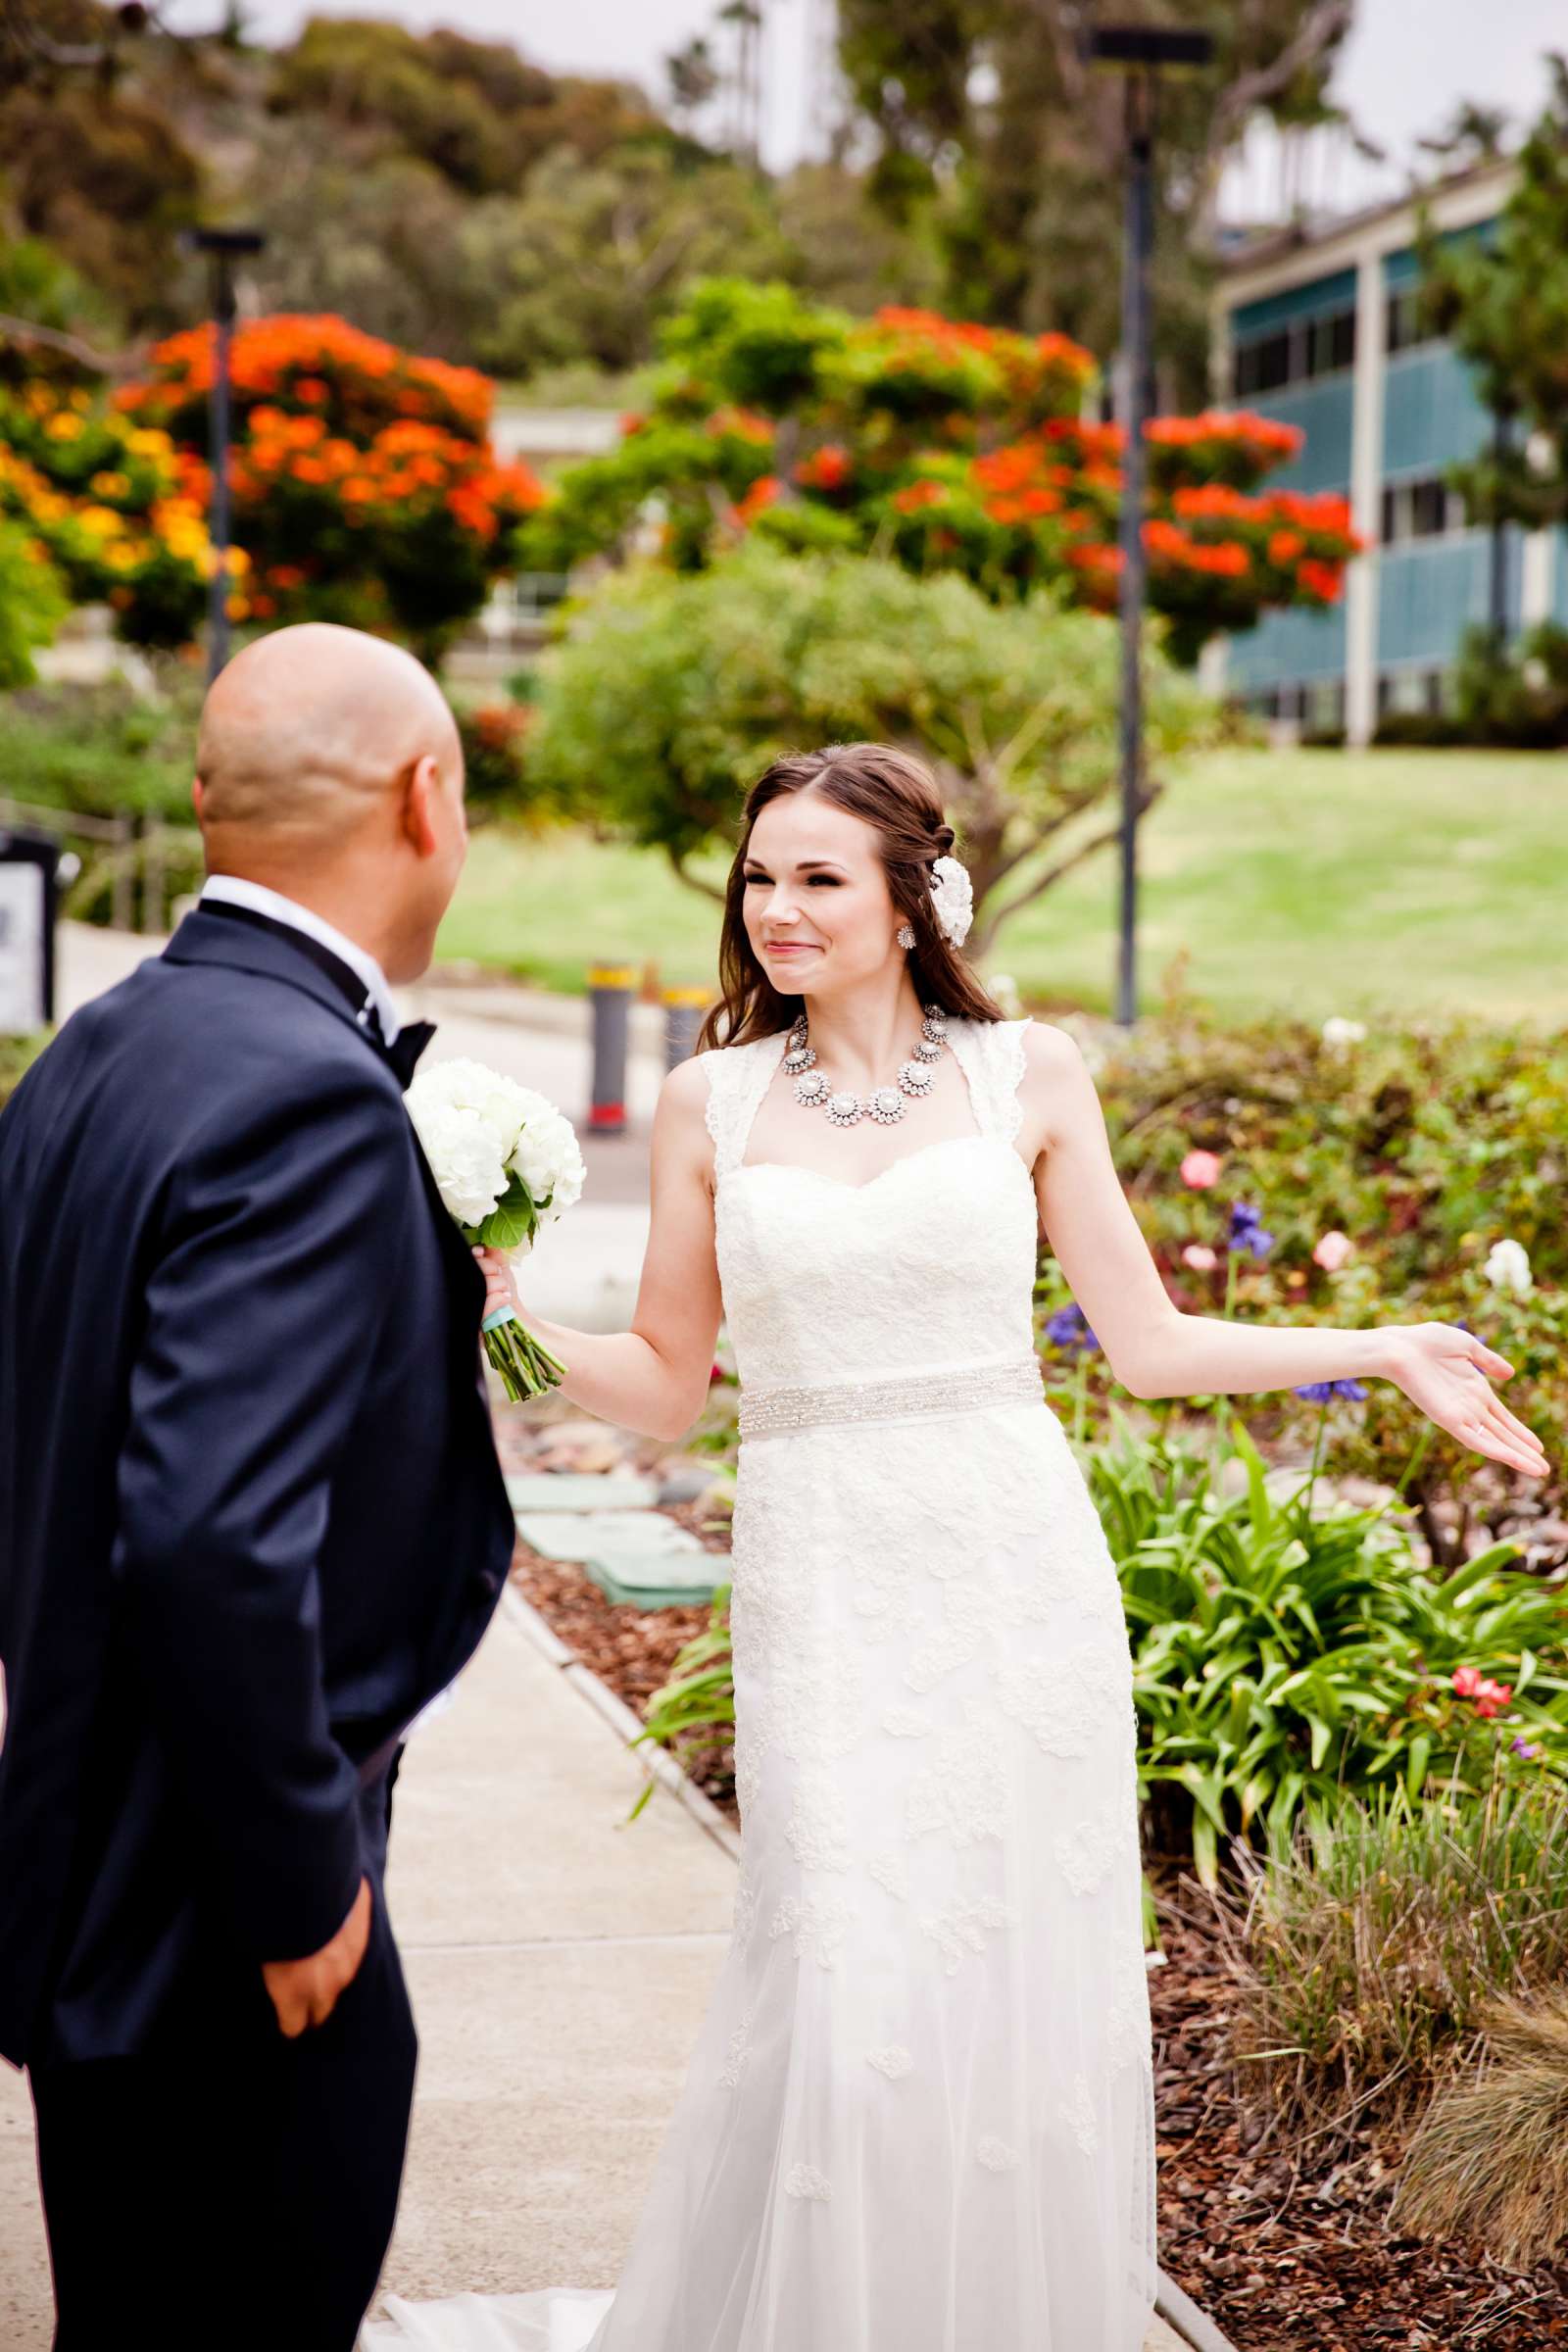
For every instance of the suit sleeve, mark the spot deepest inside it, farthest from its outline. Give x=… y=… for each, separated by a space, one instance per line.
x=273 y=1289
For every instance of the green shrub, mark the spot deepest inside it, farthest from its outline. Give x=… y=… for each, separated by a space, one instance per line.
x=105 y=751
x=1284 y=1658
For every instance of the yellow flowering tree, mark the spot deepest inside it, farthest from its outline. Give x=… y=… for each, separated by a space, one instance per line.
x=110 y=504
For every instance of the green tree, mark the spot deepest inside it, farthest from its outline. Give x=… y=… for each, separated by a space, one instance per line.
x=589 y=259
x=671 y=695
x=1504 y=301
x=988 y=117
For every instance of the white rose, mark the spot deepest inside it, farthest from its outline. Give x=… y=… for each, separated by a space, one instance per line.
x=466 y=1158
x=1507 y=1268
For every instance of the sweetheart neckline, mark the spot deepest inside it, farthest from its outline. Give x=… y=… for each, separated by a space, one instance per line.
x=844 y=1183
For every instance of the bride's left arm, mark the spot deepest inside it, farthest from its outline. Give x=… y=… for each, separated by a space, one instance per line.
x=1155 y=1350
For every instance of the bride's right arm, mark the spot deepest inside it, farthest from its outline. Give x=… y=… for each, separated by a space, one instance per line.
x=652 y=1378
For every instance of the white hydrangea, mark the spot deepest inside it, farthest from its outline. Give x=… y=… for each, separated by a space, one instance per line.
x=466 y=1157
x=466 y=1085
x=548 y=1159
x=478 y=1129
x=1507 y=1268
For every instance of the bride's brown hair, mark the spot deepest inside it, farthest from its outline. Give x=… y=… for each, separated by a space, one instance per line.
x=892 y=792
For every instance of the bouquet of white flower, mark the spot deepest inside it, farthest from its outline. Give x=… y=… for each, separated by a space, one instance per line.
x=505 y=1162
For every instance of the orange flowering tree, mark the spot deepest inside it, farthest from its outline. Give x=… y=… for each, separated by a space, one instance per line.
x=953 y=447
x=363 y=482
x=109 y=506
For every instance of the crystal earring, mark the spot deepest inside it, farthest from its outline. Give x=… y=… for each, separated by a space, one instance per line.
x=904 y=935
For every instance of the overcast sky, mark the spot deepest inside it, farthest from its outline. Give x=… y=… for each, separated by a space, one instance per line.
x=1405 y=67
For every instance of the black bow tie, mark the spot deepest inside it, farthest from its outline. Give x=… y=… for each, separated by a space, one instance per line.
x=405 y=1047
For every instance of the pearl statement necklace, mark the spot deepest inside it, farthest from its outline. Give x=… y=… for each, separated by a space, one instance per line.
x=887 y=1103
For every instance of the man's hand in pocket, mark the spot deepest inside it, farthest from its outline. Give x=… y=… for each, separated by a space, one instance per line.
x=305 y=1992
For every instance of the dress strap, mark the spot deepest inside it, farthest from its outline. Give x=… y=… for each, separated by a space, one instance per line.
x=991 y=1056
x=737 y=1080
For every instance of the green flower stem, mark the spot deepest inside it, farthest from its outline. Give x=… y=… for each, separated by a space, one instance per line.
x=525 y=1364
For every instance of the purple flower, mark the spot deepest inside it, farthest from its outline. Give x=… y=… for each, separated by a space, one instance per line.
x=1246 y=1231
x=1068 y=1329
x=1522 y=1746
x=1318 y=1391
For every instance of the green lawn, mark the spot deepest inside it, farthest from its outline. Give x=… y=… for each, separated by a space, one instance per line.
x=1320 y=881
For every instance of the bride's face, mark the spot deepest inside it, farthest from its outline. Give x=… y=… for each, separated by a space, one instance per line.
x=819 y=913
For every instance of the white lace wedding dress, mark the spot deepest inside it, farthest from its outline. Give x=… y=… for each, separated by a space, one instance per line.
x=919 y=2114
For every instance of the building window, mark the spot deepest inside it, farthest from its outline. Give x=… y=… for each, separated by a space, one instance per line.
x=1420 y=510
x=1295 y=353
x=1406 y=324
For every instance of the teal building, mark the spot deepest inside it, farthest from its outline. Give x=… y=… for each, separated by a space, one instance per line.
x=1320 y=328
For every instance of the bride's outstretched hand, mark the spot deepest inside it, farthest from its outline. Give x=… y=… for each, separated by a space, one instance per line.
x=499 y=1288
x=1446 y=1374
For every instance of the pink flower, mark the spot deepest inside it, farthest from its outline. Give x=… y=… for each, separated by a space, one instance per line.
x=1201 y=1169
x=1332 y=1251
x=1491 y=1697
x=1200 y=1258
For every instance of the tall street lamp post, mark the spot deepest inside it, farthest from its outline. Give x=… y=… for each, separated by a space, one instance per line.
x=1140 y=51
x=223 y=247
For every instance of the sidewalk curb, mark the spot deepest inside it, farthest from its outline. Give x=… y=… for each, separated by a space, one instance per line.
x=1176 y=2309
x=1193 y=2326
x=620 y=1719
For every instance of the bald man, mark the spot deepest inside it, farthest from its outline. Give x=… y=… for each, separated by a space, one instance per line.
x=250 y=1520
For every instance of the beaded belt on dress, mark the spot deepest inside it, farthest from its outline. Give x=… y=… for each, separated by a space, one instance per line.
x=968 y=1388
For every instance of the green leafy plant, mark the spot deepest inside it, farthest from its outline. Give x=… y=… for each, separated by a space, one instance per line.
x=1284 y=1658
x=695 y=1709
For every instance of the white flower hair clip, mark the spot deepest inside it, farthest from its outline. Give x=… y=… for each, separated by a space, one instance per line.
x=954 y=894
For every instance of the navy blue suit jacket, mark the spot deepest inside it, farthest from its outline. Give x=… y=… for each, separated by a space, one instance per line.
x=251 y=1516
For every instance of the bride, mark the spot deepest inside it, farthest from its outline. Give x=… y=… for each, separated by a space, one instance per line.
x=919 y=2115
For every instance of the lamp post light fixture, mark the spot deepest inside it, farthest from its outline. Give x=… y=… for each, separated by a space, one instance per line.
x=1141 y=52
x=223 y=247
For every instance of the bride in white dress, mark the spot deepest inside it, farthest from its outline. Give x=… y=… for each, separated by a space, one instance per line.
x=919 y=2114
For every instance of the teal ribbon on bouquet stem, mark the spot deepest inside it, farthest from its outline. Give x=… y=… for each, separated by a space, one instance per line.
x=525 y=1365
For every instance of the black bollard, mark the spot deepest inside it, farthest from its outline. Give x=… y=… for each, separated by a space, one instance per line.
x=684 y=1008
x=609 y=993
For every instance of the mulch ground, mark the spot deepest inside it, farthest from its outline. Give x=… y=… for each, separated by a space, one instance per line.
x=1286 y=2250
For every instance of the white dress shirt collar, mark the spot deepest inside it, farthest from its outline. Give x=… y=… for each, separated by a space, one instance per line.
x=232 y=890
